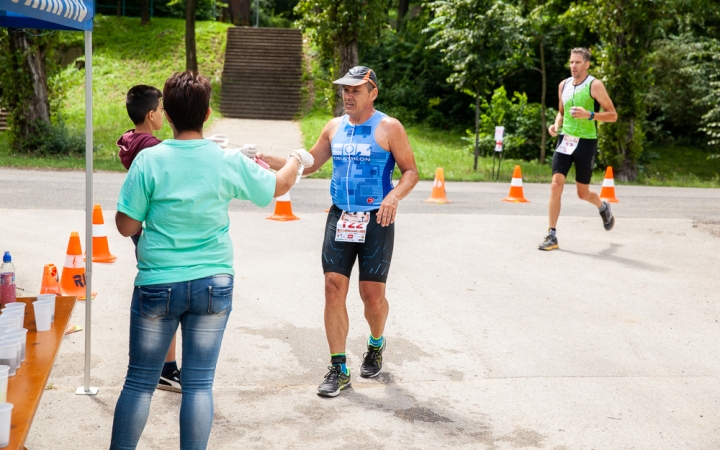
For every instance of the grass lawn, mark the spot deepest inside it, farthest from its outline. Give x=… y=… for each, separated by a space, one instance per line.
x=124 y=54
x=666 y=166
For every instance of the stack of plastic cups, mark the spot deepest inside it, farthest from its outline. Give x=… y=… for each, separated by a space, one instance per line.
x=8 y=357
x=21 y=333
x=14 y=308
x=16 y=315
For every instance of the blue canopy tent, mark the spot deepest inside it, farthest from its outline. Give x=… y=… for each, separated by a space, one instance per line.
x=74 y=15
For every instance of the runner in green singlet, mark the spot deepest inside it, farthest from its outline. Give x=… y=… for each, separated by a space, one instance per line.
x=576 y=125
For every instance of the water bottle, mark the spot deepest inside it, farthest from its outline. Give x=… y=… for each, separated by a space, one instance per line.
x=7 y=280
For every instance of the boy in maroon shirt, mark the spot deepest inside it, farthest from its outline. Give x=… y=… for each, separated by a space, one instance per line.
x=144 y=108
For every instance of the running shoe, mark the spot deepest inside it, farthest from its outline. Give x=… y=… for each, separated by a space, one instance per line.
x=171 y=383
x=334 y=382
x=550 y=243
x=607 y=217
x=372 y=361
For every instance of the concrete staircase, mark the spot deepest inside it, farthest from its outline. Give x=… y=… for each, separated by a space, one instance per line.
x=262 y=76
x=3 y=120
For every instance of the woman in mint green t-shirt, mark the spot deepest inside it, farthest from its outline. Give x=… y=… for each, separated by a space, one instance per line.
x=178 y=193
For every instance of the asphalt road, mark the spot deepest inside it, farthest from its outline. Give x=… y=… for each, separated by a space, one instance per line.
x=609 y=343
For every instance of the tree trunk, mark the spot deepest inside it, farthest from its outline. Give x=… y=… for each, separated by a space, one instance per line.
x=477 y=130
x=403 y=6
x=190 y=48
x=144 y=12
x=34 y=106
x=348 y=53
x=543 y=108
x=628 y=168
x=245 y=12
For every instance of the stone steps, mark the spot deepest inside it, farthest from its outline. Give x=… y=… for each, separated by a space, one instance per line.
x=262 y=73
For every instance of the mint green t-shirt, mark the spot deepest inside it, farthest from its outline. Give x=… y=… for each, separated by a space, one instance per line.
x=180 y=190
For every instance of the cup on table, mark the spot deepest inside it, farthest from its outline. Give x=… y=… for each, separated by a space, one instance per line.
x=17 y=341
x=22 y=332
x=42 y=297
x=15 y=305
x=7 y=324
x=5 y=421
x=8 y=356
x=16 y=315
x=43 y=314
x=4 y=373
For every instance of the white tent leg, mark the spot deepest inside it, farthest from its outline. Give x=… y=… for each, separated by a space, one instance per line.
x=86 y=389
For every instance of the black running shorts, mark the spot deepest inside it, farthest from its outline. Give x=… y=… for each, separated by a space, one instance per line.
x=583 y=156
x=374 y=254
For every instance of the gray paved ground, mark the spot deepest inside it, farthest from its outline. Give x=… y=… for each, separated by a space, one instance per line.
x=610 y=343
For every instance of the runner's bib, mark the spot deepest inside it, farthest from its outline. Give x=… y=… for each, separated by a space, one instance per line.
x=568 y=144
x=352 y=226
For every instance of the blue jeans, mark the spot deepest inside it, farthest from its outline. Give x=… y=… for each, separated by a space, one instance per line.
x=202 y=307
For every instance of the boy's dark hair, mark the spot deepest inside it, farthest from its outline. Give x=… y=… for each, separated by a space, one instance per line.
x=140 y=100
x=186 y=97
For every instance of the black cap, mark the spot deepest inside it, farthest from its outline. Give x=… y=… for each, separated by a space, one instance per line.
x=358 y=75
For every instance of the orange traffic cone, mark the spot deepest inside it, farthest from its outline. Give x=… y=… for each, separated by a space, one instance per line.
x=50 y=283
x=72 y=281
x=608 y=187
x=283 y=209
x=516 y=190
x=438 y=194
x=101 y=250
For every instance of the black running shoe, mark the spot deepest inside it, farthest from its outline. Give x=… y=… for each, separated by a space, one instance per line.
x=334 y=382
x=607 y=217
x=550 y=243
x=171 y=383
x=372 y=361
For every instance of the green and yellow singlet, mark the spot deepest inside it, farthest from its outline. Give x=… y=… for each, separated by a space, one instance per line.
x=578 y=96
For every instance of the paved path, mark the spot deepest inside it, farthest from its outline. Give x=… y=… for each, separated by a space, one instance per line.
x=610 y=343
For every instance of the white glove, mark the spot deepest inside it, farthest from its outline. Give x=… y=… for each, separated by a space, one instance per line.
x=248 y=150
x=220 y=139
x=306 y=159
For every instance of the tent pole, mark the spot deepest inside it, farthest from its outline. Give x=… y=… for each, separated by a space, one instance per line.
x=86 y=389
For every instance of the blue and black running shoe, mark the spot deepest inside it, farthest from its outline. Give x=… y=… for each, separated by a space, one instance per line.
x=372 y=361
x=334 y=382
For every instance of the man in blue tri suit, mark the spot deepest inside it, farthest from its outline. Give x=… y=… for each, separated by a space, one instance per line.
x=364 y=144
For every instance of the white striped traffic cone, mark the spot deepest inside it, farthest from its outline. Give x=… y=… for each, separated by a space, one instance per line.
x=608 y=187
x=101 y=249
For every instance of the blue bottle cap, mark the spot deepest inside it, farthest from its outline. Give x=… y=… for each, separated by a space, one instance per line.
x=7 y=257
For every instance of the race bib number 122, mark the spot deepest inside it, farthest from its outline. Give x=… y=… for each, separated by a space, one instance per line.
x=352 y=227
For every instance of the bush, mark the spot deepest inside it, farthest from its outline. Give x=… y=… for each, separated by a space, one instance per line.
x=52 y=139
x=522 y=122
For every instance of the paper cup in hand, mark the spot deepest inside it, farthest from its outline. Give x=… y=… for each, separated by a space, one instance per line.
x=43 y=314
x=5 y=421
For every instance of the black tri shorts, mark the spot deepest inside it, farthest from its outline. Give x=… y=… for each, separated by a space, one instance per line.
x=373 y=255
x=583 y=156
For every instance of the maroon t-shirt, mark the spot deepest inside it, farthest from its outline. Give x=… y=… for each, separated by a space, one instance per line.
x=130 y=145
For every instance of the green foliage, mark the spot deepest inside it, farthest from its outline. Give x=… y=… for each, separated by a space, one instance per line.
x=329 y=23
x=412 y=77
x=18 y=83
x=482 y=40
x=53 y=140
x=522 y=124
x=627 y=29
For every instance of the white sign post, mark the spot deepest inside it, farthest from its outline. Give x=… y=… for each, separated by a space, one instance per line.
x=499 y=135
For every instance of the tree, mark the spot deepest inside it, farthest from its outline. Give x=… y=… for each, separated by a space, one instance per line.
x=483 y=41
x=190 y=47
x=627 y=29
x=23 y=76
x=336 y=27
x=144 y=12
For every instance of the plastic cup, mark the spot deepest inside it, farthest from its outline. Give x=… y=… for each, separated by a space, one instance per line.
x=17 y=341
x=16 y=315
x=43 y=314
x=15 y=305
x=8 y=356
x=22 y=332
x=5 y=421
x=4 y=371
x=7 y=324
x=51 y=297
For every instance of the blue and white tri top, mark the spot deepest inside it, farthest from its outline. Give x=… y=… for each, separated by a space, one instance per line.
x=362 y=170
